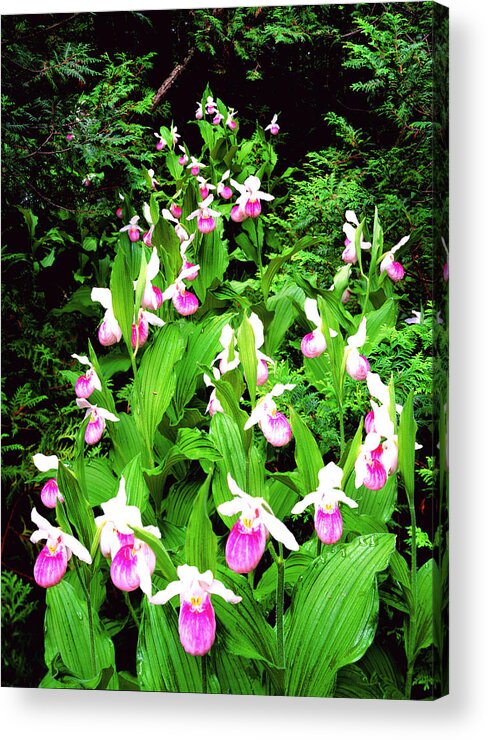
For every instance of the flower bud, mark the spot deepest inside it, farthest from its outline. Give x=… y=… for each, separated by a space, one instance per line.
x=50 y=494
x=262 y=373
x=237 y=214
x=276 y=429
x=140 y=332
x=185 y=303
x=357 y=366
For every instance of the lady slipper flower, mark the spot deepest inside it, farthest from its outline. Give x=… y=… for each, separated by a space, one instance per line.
x=394 y=270
x=273 y=127
x=109 y=331
x=199 y=111
x=52 y=561
x=174 y=135
x=262 y=359
x=206 y=216
x=195 y=166
x=357 y=366
x=86 y=384
x=314 y=343
x=147 y=237
x=370 y=471
x=179 y=229
x=328 y=517
x=191 y=270
x=185 y=303
x=229 y=357
x=224 y=190
x=205 y=187
x=50 y=493
x=133 y=566
x=196 y=622
x=161 y=143
x=230 y=122
x=247 y=538
x=210 y=106
x=214 y=404
x=152 y=297
x=133 y=229
x=176 y=210
x=251 y=196
x=119 y=212
x=97 y=416
x=217 y=118
x=349 y=228
x=140 y=330
x=238 y=214
x=273 y=424
x=183 y=158
x=154 y=182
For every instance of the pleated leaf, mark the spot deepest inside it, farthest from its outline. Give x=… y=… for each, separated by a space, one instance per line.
x=79 y=510
x=406 y=446
x=201 y=541
x=135 y=486
x=247 y=355
x=122 y=291
x=307 y=453
x=277 y=262
x=334 y=612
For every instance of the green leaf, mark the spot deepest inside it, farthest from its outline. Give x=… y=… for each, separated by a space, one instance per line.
x=201 y=541
x=68 y=634
x=164 y=564
x=157 y=376
x=122 y=291
x=101 y=484
x=135 y=486
x=334 y=612
x=247 y=355
x=307 y=454
x=406 y=446
x=228 y=441
x=277 y=262
x=162 y=664
x=77 y=505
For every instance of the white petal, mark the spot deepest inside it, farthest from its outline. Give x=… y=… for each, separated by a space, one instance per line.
x=278 y=530
x=308 y=500
x=341 y=496
x=402 y=241
x=279 y=388
x=172 y=589
x=83 y=359
x=153 y=265
x=151 y=318
x=252 y=183
x=237 y=185
x=264 y=196
x=234 y=488
x=82 y=403
x=351 y=216
x=45 y=462
x=312 y=312
x=76 y=547
x=218 y=588
x=142 y=570
x=350 y=232
x=103 y=296
x=230 y=508
x=256 y=415
x=258 y=329
x=43 y=524
x=96 y=381
x=358 y=339
x=107 y=414
x=330 y=476
x=377 y=388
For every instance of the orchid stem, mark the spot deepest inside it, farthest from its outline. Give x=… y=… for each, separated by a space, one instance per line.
x=412 y=627
x=280 y=608
x=90 y=617
x=131 y=610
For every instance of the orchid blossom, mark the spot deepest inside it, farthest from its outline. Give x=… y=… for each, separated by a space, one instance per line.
x=89 y=382
x=229 y=357
x=183 y=158
x=205 y=187
x=109 y=331
x=210 y=105
x=230 y=122
x=133 y=229
x=206 y=216
x=214 y=404
x=393 y=269
x=251 y=196
x=179 y=229
x=191 y=270
x=314 y=343
x=154 y=182
x=133 y=561
x=196 y=622
x=97 y=423
x=174 y=135
x=152 y=297
x=262 y=359
x=273 y=127
x=52 y=561
x=349 y=228
x=195 y=166
x=185 y=303
x=161 y=143
x=199 y=111
x=140 y=329
x=247 y=539
x=357 y=366
x=273 y=424
x=50 y=493
x=328 y=518
x=217 y=118
x=224 y=190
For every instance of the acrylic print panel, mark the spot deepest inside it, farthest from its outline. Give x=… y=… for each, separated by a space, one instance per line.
x=226 y=269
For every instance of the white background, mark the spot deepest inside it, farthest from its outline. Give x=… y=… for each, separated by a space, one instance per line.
x=72 y=715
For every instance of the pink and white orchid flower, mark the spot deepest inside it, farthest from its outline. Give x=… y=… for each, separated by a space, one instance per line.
x=152 y=297
x=314 y=343
x=133 y=561
x=393 y=269
x=205 y=187
x=206 y=216
x=229 y=357
x=196 y=624
x=140 y=329
x=52 y=561
x=214 y=404
x=97 y=423
x=195 y=166
x=273 y=127
x=191 y=270
x=273 y=424
x=251 y=196
x=133 y=229
x=262 y=359
x=357 y=366
x=161 y=143
x=224 y=190
x=199 y=111
x=174 y=135
x=50 y=493
x=183 y=158
x=179 y=229
x=154 y=182
x=109 y=331
x=247 y=538
x=210 y=106
x=89 y=382
x=328 y=517
x=185 y=303
x=349 y=228
x=230 y=122
x=217 y=118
